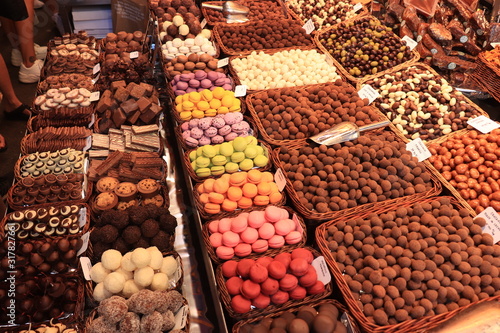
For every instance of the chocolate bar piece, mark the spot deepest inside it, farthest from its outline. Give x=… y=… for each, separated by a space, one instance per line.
x=116 y=84
x=138 y=92
x=149 y=115
x=131 y=86
x=105 y=103
x=147 y=88
x=119 y=117
x=121 y=94
x=129 y=106
x=110 y=162
x=144 y=104
x=134 y=117
x=98 y=153
x=145 y=129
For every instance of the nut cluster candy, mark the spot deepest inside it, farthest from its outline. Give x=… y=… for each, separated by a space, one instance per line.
x=324 y=13
x=239 y=190
x=123 y=42
x=199 y=81
x=172 y=7
x=271 y=281
x=253 y=232
x=421 y=104
x=416 y=261
x=371 y=169
x=242 y=153
x=289 y=68
x=206 y=103
x=214 y=130
x=365 y=47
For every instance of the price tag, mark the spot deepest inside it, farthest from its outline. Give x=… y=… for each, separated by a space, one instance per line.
x=177 y=274
x=222 y=62
x=88 y=143
x=95 y=96
x=92 y=120
x=82 y=217
x=368 y=92
x=134 y=54
x=240 y=91
x=309 y=26
x=493 y=45
x=492 y=226
x=85 y=169
x=86 y=267
x=483 y=124
x=418 y=149
x=85 y=239
x=322 y=271
x=181 y=318
x=298 y=227
x=97 y=68
x=357 y=7
x=203 y=23
x=279 y=179
x=410 y=42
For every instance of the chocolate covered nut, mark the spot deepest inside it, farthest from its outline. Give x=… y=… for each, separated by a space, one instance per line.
x=328 y=14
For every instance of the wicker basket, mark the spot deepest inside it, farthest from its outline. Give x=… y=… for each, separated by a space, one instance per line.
x=10 y=194
x=488 y=78
x=210 y=22
x=409 y=326
x=226 y=298
x=219 y=29
x=271 y=252
x=342 y=309
x=421 y=66
x=180 y=139
x=295 y=142
x=316 y=216
x=345 y=72
x=196 y=178
x=206 y=216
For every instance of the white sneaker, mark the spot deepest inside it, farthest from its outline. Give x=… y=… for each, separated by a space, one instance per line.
x=16 y=58
x=38 y=4
x=32 y=74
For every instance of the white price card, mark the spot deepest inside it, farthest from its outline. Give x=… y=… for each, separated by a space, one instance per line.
x=85 y=239
x=222 y=62
x=493 y=45
x=181 y=318
x=418 y=149
x=94 y=96
x=88 y=143
x=203 y=23
x=86 y=267
x=82 y=217
x=322 y=271
x=94 y=81
x=92 y=120
x=298 y=227
x=309 y=26
x=357 y=7
x=483 y=124
x=492 y=226
x=240 y=91
x=279 y=179
x=410 y=42
x=134 y=54
x=97 y=68
x=369 y=93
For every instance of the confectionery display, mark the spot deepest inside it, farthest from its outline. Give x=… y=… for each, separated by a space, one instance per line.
x=199 y=81
x=65 y=161
x=289 y=68
x=323 y=14
x=206 y=103
x=240 y=154
x=136 y=270
x=258 y=10
x=128 y=139
x=191 y=64
x=200 y=132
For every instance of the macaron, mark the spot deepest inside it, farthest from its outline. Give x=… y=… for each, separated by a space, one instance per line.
x=258 y=273
x=309 y=279
x=230 y=239
x=266 y=231
x=245 y=203
x=224 y=252
x=269 y=287
x=249 y=190
x=241 y=304
x=229 y=268
x=239 y=224
x=272 y=213
x=298 y=293
x=238 y=179
x=216 y=198
x=261 y=200
x=303 y=253
x=293 y=237
x=264 y=261
x=216 y=240
x=233 y=285
x=224 y=225
x=280 y=297
x=229 y=205
x=288 y=282
x=211 y=208
x=254 y=176
x=234 y=193
x=261 y=302
x=260 y=246
x=243 y=250
x=298 y=266
x=285 y=258
x=213 y=226
x=282 y=227
x=316 y=288
x=249 y=235
x=276 y=242
x=250 y=289
x=243 y=268
x=256 y=219
x=276 y=270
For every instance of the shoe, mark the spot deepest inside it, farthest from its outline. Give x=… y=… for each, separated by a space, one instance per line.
x=32 y=74
x=38 y=4
x=22 y=112
x=16 y=58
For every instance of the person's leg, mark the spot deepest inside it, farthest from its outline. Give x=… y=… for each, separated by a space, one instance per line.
x=24 y=31
x=3 y=145
x=12 y=105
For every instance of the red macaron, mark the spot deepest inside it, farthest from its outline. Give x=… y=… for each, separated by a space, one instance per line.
x=243 y=268
x=250 y=289
x=276 y=270
x=229 y=268
x=270 y=287
x=233 y=285
x=258 y=273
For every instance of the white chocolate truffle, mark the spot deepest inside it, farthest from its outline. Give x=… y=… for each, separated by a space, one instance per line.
x=101 y=293
x=207 y=33
x=156 y=258
x=114 y=282
x=111 y=259
x=169 y=266
x=127 y=263
x=141 y=257
x=98 y=273
x=177 y=42
x=130 y=288
x=144 y=276
x=199 y=40
x=178 y=20
x=160 y=282
x=127 y=274
x=183 y=30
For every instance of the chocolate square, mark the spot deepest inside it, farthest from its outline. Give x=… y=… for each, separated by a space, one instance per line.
x=144 y=104
x=121 y=94
x=129 y=106
x=133 y=117
x=119 y=117
x=117 y=84
x=131 y=86
x=138 y=92
x=147 y=88
x=104 y=104
x=148 y=116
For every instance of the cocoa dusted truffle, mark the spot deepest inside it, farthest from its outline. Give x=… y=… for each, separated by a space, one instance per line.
x=121 y=245
x=168 y=223
x=152 y=323
x=162 y=241
x=144 y=302
x=131 y=323
x=150 y=228
x=108 y=234
x=168 y=320
x=131 y=234
x=120 y=219
x=164 y=301
x=176 y=300
x=113 y=309
x=142 y=242
x=99 y=325
x=138 y=214
x=153 y=211
x=106 y=218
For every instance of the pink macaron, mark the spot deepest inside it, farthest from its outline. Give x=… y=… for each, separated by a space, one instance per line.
x=256 y=219
x=250 y=289
x=293 y=237
x=303 y=253
x=266 y=231
x=276 y=242
x=258 y=273
x=240 y=304
x=298 y=293
x=272 y=213
x=260 y=246
x=285 y=258
x=250 y=235
x=243 y=268
x=239 y=224
x=276 y=270
x=282 y=227
x=224 y=252
x=230 y=239
x=216 y=240
x=243 y=250
x=224 y=225
x=213 y=226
